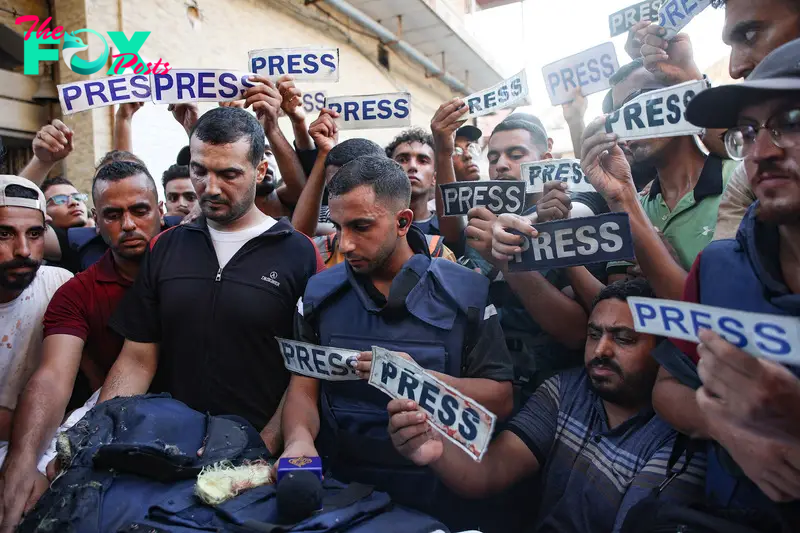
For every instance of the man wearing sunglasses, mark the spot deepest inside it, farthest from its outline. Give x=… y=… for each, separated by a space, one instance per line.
x=749 y=406
x=467 y=153
x=65 y=205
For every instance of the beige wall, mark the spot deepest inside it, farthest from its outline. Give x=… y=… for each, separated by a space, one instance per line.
x=227 y=31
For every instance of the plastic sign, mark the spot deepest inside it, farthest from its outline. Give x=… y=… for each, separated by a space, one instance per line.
x=623 y=20
x=588 y=70
x=464 y=422
x=321 y=362
x=177 y=86
x=569 y=171
x=497 y=196
x=576 y=242
x=772 y=337
x=659 y=113
x=391 y=110
x=507 y=93
x=303 y=64
x=181 y=86
x=674 y=15
x=90 y=94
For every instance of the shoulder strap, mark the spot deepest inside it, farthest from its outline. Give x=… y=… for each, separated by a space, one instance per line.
x=471 y=335
x=435 y=245
x=683 y=443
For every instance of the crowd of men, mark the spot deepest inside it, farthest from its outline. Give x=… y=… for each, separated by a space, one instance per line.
x=344 y=245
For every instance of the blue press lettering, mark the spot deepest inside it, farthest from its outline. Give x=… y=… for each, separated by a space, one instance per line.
x=447 y=410
x=469 y=424
x=205 y=80
x=428 y=395
x=407 y=385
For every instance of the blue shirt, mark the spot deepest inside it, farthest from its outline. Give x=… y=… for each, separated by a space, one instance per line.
x=592 y=474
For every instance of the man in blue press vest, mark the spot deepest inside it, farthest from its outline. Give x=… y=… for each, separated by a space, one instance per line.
x=748 y=406
x=390 y=293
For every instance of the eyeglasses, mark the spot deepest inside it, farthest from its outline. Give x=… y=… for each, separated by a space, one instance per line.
x=473 y=149
x=61 y=199
x=783 y=128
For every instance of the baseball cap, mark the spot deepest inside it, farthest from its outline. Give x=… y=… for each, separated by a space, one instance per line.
x=469 y=132
x=12 y=201
x=719 y=107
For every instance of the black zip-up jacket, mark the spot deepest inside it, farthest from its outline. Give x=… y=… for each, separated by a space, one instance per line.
x=216 y=327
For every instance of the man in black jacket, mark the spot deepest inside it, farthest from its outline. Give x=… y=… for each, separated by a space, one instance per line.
x=212 y=296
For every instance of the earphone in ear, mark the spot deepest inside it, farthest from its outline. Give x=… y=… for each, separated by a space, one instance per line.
x=403 y=222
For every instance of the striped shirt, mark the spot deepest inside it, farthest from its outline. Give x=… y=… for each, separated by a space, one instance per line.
x=592 y=474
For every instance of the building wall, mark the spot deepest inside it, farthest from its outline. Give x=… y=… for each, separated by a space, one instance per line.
x=227 y=31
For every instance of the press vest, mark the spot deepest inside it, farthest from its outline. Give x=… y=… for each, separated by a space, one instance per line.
x=434 y=323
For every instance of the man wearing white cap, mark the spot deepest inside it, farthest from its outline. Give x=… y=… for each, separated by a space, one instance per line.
x=25 y=290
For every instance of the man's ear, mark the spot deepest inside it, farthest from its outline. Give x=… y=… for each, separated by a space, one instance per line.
x=94 y=217
x=404 y=219
x=261 y=171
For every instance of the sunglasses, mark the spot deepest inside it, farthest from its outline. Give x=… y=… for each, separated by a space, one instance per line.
x=61 y=199
x=473 y=149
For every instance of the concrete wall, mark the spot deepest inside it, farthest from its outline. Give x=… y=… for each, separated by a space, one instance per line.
x=227 y=30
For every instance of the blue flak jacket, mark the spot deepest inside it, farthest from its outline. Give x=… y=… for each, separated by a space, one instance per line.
x=743 y=274
x=428 y=316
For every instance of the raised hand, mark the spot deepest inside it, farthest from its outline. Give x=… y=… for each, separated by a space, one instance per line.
x=265 y=100
x=604 y=163
x=672 y=61
x=291 y=99
x=411 y=435
x=186 y=115
x=53 y=142
x=324 y=131
x=445 y=122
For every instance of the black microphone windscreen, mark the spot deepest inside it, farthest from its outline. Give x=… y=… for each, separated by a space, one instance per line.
x=299 y=495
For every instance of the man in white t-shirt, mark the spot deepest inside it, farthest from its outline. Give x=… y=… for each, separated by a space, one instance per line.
x=25 y=290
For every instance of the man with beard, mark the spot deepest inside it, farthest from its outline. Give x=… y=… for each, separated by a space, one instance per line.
x=389 y=292
x=682 y=203
x=211 y=296
x=79 y=348
x=749 y=406
x=590 y=433
x=413 y=150
x=26 y=288
x=65 y=205
x=180 y=199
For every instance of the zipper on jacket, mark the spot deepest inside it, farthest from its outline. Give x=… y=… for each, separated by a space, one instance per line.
x=219 y=275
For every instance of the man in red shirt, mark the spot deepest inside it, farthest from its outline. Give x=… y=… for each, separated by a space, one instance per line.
x=79 y=348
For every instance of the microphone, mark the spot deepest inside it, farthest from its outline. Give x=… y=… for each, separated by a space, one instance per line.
x=299 y=490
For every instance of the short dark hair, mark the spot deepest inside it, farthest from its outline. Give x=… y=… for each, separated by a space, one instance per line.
x=15 y=190
x=117 y=155
x=227 y=125
x=413 y=135
x=624 y=289
x=119 y=170
x=52 y=182
x=343 y=153
x=174 y=172
x=538 y=135
x=386 y=178
x=184 y=156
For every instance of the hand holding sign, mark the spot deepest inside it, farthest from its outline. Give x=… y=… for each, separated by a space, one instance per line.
x=633 y=46
x=127 y=110
x=363 y=365
x=505 y=244
x=186 y=115
x=325 y=131
x=53 y=142
x=604 y=163
x=479 y=231
x=411 y=434
x=555 y=204
x=448 y=118
x=291 y=99
x=575 y=109
x=265 y=100
x=750 y=392
x=672 y=62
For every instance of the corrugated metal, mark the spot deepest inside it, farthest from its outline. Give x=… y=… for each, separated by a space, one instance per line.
x=434 y=27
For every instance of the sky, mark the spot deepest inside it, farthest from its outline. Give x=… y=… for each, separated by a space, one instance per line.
x=538 y=32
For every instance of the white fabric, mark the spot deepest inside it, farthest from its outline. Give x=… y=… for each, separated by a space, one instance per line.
x=432 y=205
x=21 y=332
x=227 y=243
x=50 y=454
